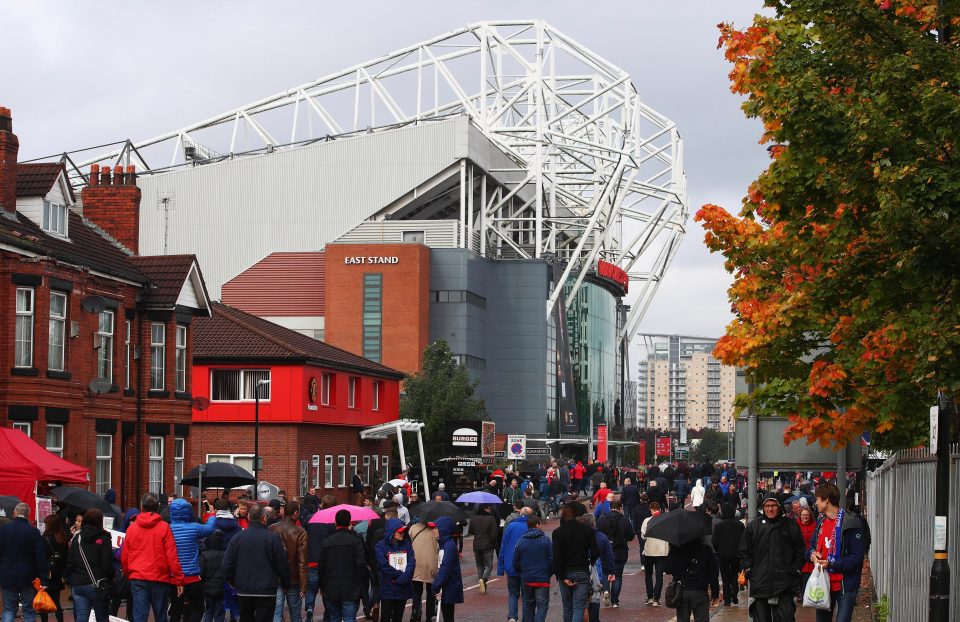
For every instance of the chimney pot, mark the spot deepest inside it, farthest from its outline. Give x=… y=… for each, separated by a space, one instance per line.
x=6 y=120
x=9 y=149
x=117 y=175
x=94 y=174
x=130 y=177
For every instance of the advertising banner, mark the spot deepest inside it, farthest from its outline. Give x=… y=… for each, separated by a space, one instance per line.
x=489 y=441
x=642 y=452
x=566 y=395
x=663 y=446
x=602 y=443
x=463 y=437
x=516 y=447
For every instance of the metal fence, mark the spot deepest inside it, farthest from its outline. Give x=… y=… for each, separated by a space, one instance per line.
x=900 y=499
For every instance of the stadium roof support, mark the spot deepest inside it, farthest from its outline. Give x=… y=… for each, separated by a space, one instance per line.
x=596 y=173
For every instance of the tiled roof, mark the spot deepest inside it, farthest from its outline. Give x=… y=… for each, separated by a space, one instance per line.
x=85 y=247
x=36 y=178
x=280 y=284
x=232 y=335
x=167 y=274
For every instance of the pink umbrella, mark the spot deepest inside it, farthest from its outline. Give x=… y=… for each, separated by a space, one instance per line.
x=357 y=513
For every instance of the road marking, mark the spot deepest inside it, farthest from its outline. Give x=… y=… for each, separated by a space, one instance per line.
x=466 y=589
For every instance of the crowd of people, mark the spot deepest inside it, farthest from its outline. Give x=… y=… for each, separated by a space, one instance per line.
x=253 y=562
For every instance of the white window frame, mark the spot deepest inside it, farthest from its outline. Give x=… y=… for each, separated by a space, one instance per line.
x=126 y=349
x=104 y=460
x=352 y=382
x=375 y=404
x=181 y=358
x=158 y=357
x=315 y=461
x=56 y=450
x=55 y=218
x=386 y=468
x=342 y=471
x=24 y=426
x=264 y=390
x=353 y=466
x=104 y=344
x=232 y=459
x=179 y=459
x=23 y=350
x=366 y=470
x=328 y=471
x=57 y=321
x=325 y=381
x=155 y=459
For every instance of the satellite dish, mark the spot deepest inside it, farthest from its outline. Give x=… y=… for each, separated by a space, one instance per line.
x=93 y=304
x=99 y=386
x=201 y=403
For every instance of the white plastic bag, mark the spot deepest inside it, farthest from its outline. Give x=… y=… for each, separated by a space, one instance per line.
x=816 y=594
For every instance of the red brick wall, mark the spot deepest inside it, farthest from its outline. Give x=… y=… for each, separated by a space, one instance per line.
x=9 y=147
x=113 y=203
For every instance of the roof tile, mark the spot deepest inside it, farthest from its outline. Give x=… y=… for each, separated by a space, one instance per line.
x=36 y=178
x=167 y=273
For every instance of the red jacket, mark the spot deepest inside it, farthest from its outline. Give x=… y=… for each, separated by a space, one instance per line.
x=807 y=531
x=579 y=471
x=149 y=552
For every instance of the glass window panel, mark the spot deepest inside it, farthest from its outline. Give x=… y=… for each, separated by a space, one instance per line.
x=56 y=345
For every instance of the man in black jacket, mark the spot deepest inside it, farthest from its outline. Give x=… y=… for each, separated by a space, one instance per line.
x=343 y=569
x=316 y=534
x=619 y=531
x=630 y=498
x=574 y=549
x=23 y=557
x=255 y=564
x=726 y=542
x=771 y=553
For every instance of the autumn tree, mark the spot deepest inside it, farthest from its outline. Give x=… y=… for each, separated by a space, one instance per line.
x=846 y=250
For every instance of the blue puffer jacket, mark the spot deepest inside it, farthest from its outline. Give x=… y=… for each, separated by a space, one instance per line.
x=511 y=536
x=533 y=557
x=448 y=581
x=186 y=533
x=394 y=585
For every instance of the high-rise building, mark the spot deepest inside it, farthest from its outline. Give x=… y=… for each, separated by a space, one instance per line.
x=680 y=383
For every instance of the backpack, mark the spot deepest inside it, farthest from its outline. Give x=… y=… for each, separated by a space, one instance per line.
x=612 y=530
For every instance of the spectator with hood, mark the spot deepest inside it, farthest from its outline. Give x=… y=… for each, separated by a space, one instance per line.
x=448 y=583
x=395 y=565
x=771 y=555
x=187 y=534
x=726 y=542
x=149 y=559
x=211 y=576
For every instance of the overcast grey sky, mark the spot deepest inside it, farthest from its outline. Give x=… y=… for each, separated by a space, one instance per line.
x=82 y=74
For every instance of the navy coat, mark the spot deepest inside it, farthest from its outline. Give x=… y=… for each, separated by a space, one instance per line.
x=394 y=585
x=23 y=555
x=448 y=582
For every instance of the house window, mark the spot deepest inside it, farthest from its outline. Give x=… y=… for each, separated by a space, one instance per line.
x=23 y=355
x=156 y=464
x=240 y=385
x=104 y=346
x=58 y=326
x=126 y=358
x=366 y=471
x=328 y=471
x=316 y=470
x=376 y=395
x=24 y=427
x=158 y=353
x=353 y=465
x=342 y=470
x=325 y=381
x=244 y=461
x=351 y=392
x=55 y=218
x=386 y=468
x=372 y=315
x=179 y=454
x=104 y=463
x=181 y=359
x=55 y=439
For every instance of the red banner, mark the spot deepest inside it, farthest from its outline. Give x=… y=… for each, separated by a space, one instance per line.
x=602 y=443
x=642 y=454
x=663 y=446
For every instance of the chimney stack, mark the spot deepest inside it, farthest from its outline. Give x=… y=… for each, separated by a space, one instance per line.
x=112 y=202
x=9 y=147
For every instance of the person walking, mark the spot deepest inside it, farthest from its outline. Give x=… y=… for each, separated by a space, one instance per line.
x=448 y=583
x=726 y=542
x=838 y=546
x=682 y=487
x=396 y=563
x=655 y=553
x=574 y=550
x=697 y=494
x=90 y=562
x=316 y=534
x=343 y=569
x=694 y=566
x=620 y=532
x=533 y=558
x=807 y=525
x=57 y=543
x=149 y=560
x=630 y=498
x=212 y=579
x=511 y=536
x=601 y=572
x=294 y=540
x=771 y=555
x=187 y=604
x=485 y=530
x=23 y=558
x=255 y=564
x=423 y=537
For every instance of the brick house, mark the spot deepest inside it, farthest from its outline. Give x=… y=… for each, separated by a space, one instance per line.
x=313 y=401
x=97 y=341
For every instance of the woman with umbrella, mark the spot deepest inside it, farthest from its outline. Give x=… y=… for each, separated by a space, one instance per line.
x=693 y=564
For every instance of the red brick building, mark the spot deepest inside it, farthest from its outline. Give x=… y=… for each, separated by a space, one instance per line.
x=96 y=341
x=314 y=399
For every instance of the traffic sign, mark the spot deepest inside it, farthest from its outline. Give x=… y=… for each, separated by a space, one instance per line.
x=516 y=446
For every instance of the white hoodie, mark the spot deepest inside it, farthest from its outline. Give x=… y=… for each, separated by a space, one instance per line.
x=696 y=497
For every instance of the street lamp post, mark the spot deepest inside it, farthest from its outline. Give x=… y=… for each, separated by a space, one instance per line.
x=256 y=436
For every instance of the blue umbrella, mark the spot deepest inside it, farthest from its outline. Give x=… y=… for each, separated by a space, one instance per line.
x=479 y=497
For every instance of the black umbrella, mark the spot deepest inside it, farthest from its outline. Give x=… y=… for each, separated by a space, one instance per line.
x=432 y=510
x=679 y=527
x=219 y=475
x=7 y=504
x=82 y=500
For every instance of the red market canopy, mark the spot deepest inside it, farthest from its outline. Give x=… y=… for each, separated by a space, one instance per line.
x=23 y=463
